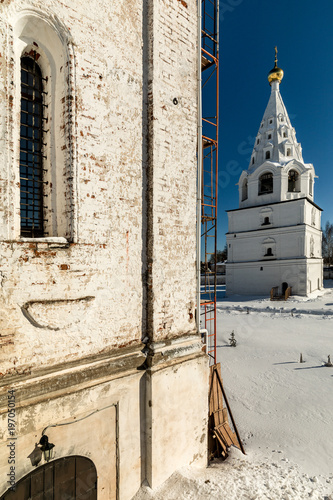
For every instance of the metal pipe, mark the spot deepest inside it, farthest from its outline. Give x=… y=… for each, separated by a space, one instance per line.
x=199 y=171
x=216 y=170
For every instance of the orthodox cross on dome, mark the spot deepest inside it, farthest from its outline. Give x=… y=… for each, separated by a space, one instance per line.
x=276 y=74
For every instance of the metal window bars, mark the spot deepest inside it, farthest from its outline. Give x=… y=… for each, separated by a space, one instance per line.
x=31 y=149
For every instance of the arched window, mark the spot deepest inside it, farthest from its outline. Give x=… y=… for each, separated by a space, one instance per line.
x=268 y=155
x=46 y=173
x=244 y=190
x=269 y=247
x=266 y=216
x=285 y=134
x=293 y=181
x=253 y=160
x=31 y=149
x=265 y=183
x=288 y=152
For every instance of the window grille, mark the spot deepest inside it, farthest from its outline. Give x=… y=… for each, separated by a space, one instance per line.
x=31 y=149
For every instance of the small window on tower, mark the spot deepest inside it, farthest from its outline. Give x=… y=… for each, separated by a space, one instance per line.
x=288 y=152
x=270 y=121
x=253 y=160
x=268 y=155
x=285 y=134
x=258 y=141
x=282 y=119
x=269 y=252
x=269 y=136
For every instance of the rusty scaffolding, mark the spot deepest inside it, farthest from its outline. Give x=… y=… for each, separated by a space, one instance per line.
x=209 y=175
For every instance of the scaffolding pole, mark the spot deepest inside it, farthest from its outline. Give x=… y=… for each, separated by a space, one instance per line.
x=208 y=167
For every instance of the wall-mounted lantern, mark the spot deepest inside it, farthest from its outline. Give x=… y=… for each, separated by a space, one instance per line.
x=46 y=447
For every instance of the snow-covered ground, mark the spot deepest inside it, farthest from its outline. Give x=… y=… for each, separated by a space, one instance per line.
x=283 y=408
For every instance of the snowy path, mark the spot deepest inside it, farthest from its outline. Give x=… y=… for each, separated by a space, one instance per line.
x=240 y=479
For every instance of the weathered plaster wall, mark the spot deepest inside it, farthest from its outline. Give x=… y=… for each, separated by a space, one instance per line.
x=108 y=257
x=95 y=422
x=179 y=390
x=104 y=261
x=172 y=166
x=118 y=264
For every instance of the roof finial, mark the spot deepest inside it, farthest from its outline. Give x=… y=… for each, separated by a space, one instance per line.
x=276 y=74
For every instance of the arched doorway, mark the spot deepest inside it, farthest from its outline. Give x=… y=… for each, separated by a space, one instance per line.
x=68 y=478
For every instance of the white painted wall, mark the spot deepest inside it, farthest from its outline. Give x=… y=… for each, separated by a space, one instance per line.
x=283 y=214
x=286 y=243
x=258 y=278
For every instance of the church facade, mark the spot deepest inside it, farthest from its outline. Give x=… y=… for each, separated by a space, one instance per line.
x=99 y=350
x=274 y=237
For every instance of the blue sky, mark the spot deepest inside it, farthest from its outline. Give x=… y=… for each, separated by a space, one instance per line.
x=303 y=33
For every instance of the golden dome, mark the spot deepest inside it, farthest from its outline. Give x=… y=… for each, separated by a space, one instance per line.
x=275 y=74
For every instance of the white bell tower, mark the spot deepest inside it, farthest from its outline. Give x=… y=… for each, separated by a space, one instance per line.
x=274 y=237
